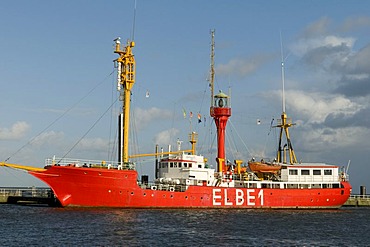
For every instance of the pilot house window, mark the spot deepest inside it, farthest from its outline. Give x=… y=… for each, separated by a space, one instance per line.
x=305 y=172
x=328 y=172
x=316 y=172
x=293 y=172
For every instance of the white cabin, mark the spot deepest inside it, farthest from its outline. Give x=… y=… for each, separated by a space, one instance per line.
x=310 y=172
x=185 y=169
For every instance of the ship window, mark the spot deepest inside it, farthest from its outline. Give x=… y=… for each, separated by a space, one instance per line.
x=180 y=165
x=335 y=185
x=305 y=172
x=293 y=172
x=185 y=164
x=171 y=164
x=328 y=172
x=175 y=164
x=316 y=172
x=199 y=165
x=190 y=165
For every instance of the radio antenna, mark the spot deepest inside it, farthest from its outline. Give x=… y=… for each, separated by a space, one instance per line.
x=282 y=72
x=133 y=23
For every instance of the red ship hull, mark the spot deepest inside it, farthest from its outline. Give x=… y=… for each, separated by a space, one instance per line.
x=86 y=187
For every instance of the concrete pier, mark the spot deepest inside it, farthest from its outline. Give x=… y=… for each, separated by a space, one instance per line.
x=358 y=201
x=33 y=195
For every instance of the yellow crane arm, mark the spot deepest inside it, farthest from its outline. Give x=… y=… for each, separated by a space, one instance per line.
x=27 y=168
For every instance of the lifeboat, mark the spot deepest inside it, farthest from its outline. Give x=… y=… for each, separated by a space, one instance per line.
x=263 y=167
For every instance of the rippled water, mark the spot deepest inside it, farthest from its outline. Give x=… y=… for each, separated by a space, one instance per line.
x=46 y=226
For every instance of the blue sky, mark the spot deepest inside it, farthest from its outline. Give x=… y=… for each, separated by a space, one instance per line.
x=53 y=53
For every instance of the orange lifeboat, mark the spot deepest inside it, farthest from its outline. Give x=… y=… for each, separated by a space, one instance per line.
x=261 y=166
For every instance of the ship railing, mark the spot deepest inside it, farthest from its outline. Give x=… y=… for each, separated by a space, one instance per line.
x=164 y=187
x=315 y=179
x=366 y=197
x=30 y=192
x=88 y=163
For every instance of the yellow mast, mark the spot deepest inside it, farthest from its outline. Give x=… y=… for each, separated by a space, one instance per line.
x=284 y=123
x=125 y=82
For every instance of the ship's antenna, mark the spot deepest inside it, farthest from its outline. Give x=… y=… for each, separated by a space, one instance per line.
x=349 y=162
x=212 y=72
x=133 y=23
x=282 y=71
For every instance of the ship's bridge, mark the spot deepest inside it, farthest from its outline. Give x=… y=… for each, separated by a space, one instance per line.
x=185 y=169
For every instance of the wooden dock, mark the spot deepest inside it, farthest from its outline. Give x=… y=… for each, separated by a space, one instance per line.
x=27 y=196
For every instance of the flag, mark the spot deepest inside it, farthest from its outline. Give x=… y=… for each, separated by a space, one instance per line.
x=184 y=112
x=199 y=118
x=191 y=114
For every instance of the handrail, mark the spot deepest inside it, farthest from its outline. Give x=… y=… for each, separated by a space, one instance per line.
x=360 y=196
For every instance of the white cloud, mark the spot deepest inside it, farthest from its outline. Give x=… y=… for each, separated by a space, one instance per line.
x=93 y=144
x=165 y=137
x=47 y=138
x=241 y=66
x=16 y=132
x=144 y=117
x=319 y=27
x=318 y=139
x=355 y=22
x=304 y=46
x=314 y=107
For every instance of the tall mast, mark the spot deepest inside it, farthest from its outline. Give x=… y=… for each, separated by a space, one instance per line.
x=284 y=123
x=282 y=73
x=125 y=82
x=212 y=71
x=220 y=111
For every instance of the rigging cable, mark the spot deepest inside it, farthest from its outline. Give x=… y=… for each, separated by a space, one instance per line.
x=232 y=125
x=58 y=118
x=88 y=131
